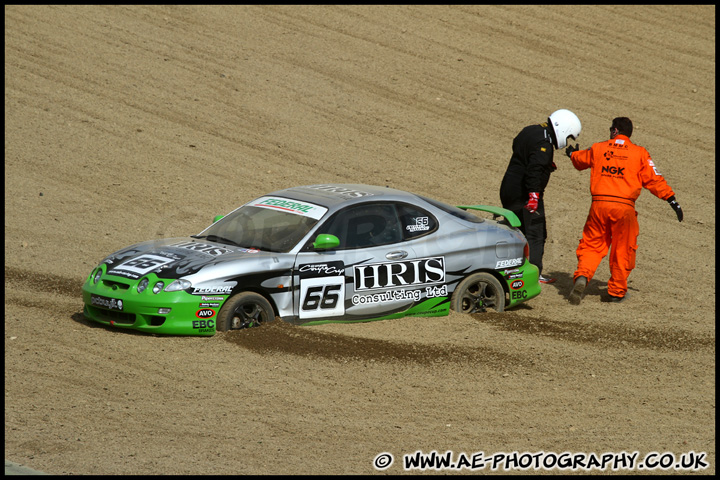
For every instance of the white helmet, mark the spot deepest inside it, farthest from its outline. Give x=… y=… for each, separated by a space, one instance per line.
x=565 y=124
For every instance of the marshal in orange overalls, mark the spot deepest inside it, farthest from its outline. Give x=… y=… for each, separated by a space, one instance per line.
x=619 y=172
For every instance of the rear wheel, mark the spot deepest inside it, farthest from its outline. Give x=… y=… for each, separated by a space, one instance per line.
x=244 y=310
x=478 y=292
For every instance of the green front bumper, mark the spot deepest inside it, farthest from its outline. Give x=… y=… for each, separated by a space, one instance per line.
x=115 y=301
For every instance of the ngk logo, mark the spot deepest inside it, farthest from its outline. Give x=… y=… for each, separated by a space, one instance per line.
x=614 y=170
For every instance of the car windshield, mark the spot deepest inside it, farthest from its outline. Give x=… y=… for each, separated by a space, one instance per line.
x=270 y=224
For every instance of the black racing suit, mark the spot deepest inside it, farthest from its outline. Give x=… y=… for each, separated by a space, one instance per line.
x=529 y=171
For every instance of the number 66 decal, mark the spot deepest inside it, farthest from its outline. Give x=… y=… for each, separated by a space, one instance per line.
x=322 y=297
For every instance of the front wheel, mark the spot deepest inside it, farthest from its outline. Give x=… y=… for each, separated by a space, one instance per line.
x=478 y=292
x=244 y=310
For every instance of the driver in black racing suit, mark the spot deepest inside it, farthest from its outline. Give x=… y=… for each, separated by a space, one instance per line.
x=528 y=173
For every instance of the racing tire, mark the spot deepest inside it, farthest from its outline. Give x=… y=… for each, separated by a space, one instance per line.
x=244 y=310
x=478 y=292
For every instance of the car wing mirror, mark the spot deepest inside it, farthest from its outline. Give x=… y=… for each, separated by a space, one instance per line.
x=325 y=241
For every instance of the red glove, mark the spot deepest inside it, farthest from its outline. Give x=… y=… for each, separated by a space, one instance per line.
x=532 y=204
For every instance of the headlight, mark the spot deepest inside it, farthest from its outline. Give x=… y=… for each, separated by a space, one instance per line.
x=178 y=285
x=157 y=288
x=98 y=274
x=143 y=285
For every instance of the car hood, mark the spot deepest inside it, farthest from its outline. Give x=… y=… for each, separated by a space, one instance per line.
x=176 y=257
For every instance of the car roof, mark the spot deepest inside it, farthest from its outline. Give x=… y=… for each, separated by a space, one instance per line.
x=332 y=195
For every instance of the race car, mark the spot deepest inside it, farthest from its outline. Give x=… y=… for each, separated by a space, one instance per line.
x=317 y=254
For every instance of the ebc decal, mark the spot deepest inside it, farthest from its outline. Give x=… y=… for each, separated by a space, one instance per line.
x=203 y=326
x=322 y=290
x=518 y=294
x=139 y=266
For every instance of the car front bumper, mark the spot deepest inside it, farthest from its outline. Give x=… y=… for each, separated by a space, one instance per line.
x=115 y=302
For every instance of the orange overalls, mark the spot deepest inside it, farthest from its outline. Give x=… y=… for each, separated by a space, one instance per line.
x=619 y=171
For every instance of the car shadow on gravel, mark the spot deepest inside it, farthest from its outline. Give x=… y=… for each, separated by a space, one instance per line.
x=79 y=318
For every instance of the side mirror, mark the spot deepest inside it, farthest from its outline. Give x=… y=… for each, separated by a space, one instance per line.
x=325 y=241
x=218 y=217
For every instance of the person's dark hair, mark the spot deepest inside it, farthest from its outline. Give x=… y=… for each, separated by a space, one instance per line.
x=624 y=126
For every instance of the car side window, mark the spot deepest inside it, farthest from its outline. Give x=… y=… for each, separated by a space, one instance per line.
x=367 y=225
x=415 y=222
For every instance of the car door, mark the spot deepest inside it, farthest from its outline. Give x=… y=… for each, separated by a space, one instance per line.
x=370 y=274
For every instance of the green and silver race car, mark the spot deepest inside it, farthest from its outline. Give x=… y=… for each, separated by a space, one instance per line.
x=316 y=254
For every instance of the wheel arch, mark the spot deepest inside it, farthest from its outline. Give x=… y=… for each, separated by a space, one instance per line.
x=494 y=273
x=260 y=291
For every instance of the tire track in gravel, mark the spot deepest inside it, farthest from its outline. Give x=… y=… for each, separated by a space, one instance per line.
x=604 y=335
x=282 y=337
x=42 y=282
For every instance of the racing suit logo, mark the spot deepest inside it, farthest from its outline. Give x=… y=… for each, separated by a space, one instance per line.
x=614 y=170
